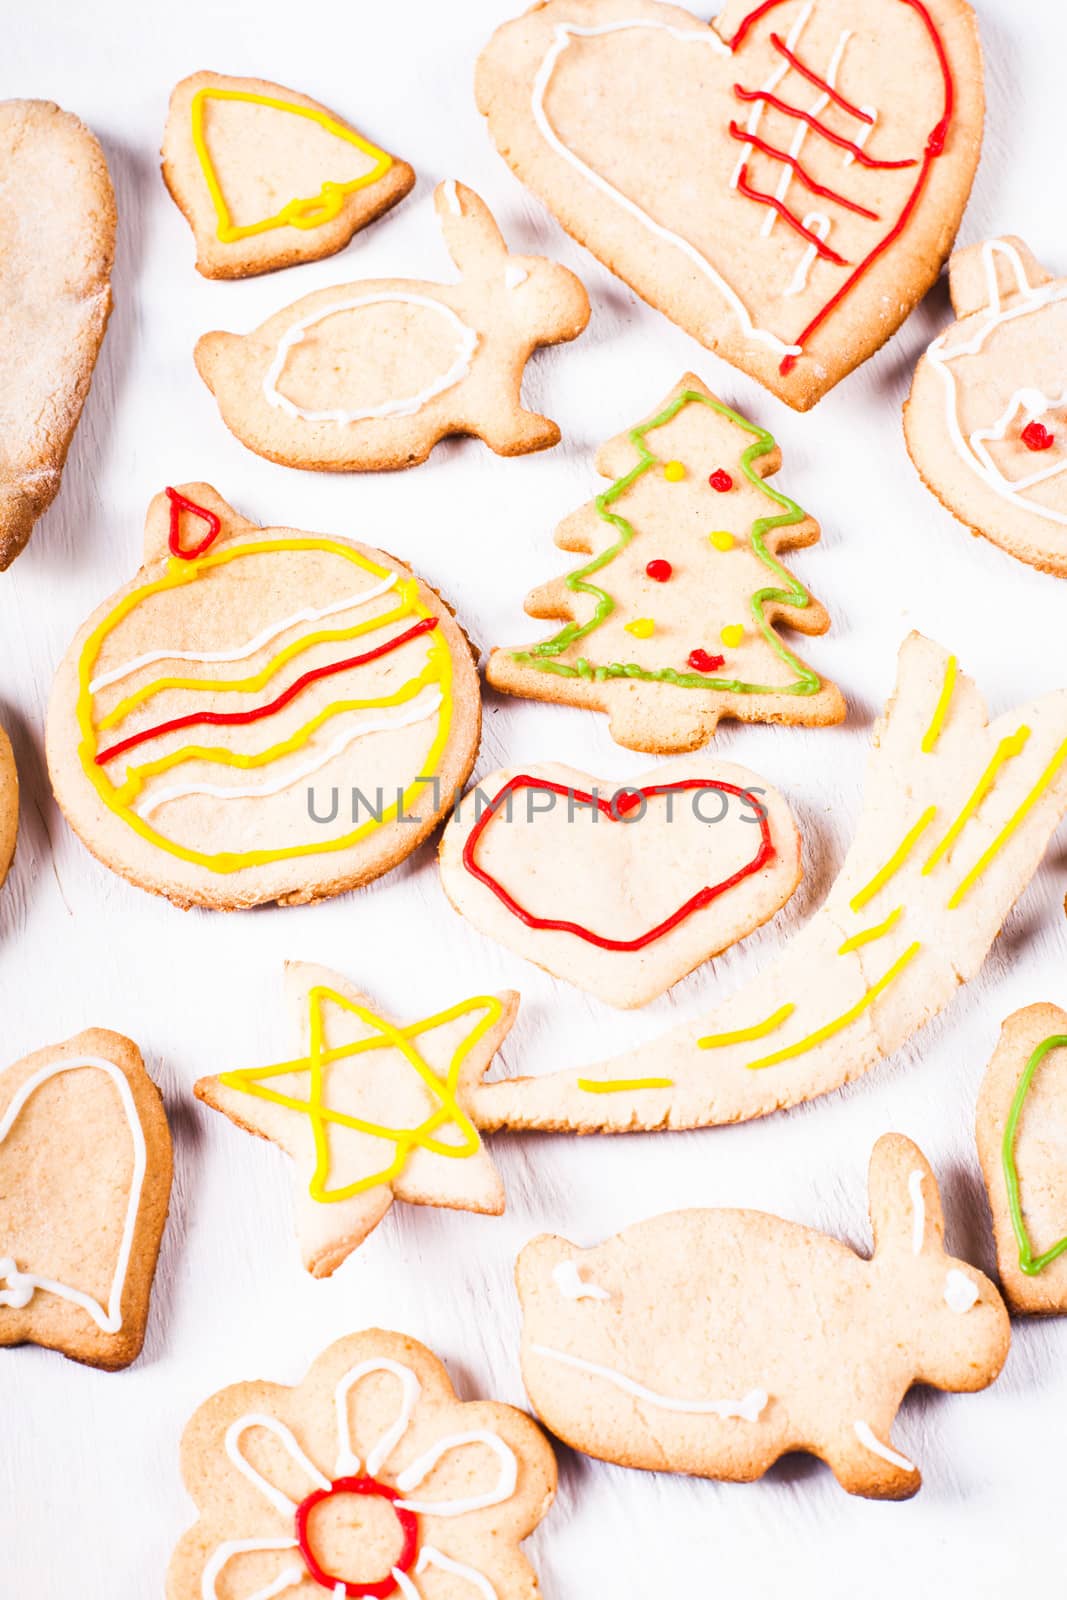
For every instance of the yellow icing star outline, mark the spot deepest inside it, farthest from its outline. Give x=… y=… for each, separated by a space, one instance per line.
x=303 y=212
x=449 y=1113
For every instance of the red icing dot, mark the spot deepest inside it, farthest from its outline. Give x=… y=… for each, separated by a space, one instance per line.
x=625 y=803
x=1035 y=436
x=721 y=480
x=659 y=570
x=701 y=661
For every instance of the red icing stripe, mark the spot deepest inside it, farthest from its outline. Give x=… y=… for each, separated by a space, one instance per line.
x=235 y=718
x=614 y=810
x=820 y=83
x=856 y=151
x=745 y=188
x=805 y=177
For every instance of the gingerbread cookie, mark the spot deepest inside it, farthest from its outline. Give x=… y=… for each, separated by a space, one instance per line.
x=673 y=622
x=1022 y=1145
x=85 y=1170
x=267 y=178
x=368 y=1478
x=369 y=376
x=261 y=714
x=55 y=267
x=957 y=817
x=9 y=805
x=986 y=420
x=376 y=1111
x=647 y=1351
x=621 y=890
x=784 y=183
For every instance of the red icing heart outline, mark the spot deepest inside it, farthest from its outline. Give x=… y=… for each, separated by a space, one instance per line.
x=616 y=810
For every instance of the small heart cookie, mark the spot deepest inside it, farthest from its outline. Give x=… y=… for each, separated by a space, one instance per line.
x=621 y=889
x=784 y=183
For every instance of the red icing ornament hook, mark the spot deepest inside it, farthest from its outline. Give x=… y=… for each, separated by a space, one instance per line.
x=1035 y=436
x=178 y=504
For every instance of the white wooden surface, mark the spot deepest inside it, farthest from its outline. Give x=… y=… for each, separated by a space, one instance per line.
x=89 y=1483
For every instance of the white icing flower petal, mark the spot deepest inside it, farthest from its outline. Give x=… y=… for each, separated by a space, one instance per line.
x=380 y=1451
x=419 y=1470
x=289 y=1578
x=257 y=1419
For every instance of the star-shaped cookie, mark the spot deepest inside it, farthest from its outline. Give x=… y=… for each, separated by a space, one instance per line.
x=375 y=1111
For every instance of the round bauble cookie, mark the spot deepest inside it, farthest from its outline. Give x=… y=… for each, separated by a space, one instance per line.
x=261 y=714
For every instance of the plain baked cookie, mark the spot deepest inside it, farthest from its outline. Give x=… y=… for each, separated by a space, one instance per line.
x=714 y=1342
x=620 y=889
x=55 y=290
x=986 y=420
x=376 y=1111
x=369 y=376
x=673 y=621
x=784 y=183
x=85 y=1170
x=267 y=178
x=369 y=1478
x=958 y=813
x=261 y=714
x=1022 y=1145
x=9 y=805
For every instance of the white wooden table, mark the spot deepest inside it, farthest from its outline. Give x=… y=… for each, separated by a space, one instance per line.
x=89 y=1485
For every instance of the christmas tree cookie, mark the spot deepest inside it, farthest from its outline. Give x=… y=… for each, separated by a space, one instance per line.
x=673 y=621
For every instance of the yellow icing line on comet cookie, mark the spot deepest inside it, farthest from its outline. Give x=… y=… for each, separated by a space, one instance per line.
x=937 y=721
x=302 y=212
x=1045 y=781
x=1006 y=749
x=759 y=1030
x=845 y=1019
x=903 y=850
x=620 y=1085
x=868 y=935
x=178 y=573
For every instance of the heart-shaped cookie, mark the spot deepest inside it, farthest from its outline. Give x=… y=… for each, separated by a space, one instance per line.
x=85 y=1170
x=621 y=889
x=1022 y=1145
x=784 y=184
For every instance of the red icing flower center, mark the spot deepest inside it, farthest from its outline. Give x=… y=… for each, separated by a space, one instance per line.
x=659 y=571
x=701 y=661
x=1035 y=436
x=721 y=480
x=409 y=1530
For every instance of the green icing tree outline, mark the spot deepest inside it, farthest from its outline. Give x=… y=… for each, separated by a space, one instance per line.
x=807 y=682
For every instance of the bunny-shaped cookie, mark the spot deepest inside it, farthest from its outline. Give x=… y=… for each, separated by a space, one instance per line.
x=713 y=1342
x=369 y=376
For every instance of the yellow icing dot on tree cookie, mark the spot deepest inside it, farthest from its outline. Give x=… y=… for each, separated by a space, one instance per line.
x=722 y=540
x=674 y=472
x=641 y=628
x=732 y=635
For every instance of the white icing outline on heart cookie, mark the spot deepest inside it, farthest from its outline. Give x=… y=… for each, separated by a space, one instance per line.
x=22 y=1286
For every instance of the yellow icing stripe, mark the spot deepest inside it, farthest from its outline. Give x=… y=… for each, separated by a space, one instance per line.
x=620 y=1085
x=895 y=862
x=869 y=935
x=937 y=721
x=1007 y=748
x=845 y=1019
x=759 y=1030
x=388 y=1035
x=407 y=592
x=309 y=212
x=1043 y=783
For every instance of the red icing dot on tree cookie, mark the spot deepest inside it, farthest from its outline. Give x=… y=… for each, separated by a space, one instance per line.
x=659 y=570
x=721 y=480
x=701 y=661
x=1035 y=436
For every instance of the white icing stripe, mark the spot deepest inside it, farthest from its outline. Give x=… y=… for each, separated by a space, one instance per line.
x=502 y=1490
x=572 y=1286
x=748 y=1409
x=379 y=1453
x=23 y=1285
x=961 y=1292
x=467 y=344
x=940 y=354
x=875 y=1445
x=563 y=33
x=797 y=144
x=431 y=1557
x=451 y=197
x=288 y=1579
x=862 y=134
x=257 y=1419
x=918 y=1210
x=818 y=223
x=768 y=86
x=242 y=652
x=425 y=704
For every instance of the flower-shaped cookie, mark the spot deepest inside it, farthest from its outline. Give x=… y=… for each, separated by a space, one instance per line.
x=368 y=1479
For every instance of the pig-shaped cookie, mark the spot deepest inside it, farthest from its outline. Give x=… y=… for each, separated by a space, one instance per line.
x=713 y=1342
